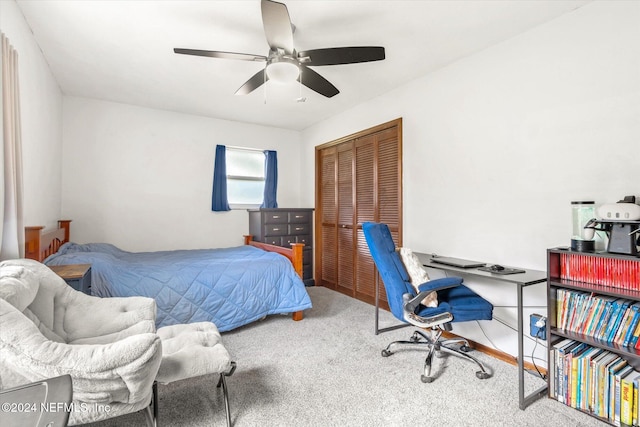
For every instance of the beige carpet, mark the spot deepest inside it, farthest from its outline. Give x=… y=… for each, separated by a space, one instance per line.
x=327 y=370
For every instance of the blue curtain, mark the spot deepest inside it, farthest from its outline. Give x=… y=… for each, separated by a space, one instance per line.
x=271 y=180
x=219 y=200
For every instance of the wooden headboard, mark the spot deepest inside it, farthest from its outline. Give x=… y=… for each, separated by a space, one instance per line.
x=40 y=243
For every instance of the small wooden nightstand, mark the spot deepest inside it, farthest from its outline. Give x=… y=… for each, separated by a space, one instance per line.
x=78 y=276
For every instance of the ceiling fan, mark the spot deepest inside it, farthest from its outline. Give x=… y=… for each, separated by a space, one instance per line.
x=284 y=63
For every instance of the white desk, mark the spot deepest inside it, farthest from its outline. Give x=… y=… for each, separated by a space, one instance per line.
x=522 y=280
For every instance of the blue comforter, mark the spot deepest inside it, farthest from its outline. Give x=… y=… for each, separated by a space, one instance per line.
x=230 y=287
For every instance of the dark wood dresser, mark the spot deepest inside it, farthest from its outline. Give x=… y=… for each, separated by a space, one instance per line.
x=283 y=226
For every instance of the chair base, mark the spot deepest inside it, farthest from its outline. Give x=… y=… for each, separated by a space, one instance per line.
x=435 y=346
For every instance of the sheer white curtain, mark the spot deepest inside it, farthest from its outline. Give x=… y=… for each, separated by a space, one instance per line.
x=12 y=231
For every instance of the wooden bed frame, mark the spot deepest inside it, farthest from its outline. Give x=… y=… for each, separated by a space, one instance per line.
x=40 y=243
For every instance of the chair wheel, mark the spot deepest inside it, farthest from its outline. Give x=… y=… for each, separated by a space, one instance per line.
x=482 y=375
x=386 y=353
x=465 y=348
x=425 y=379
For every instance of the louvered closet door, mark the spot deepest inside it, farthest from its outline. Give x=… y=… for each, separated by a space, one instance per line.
x=345 y=218
x=378 y=190
x=359 y=179
x=366 y=196
x=326 y=218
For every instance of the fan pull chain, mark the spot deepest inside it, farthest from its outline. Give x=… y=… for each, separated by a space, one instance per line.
x=300 y=98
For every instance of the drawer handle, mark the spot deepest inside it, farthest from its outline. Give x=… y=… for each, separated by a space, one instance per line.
x=276 y=216
x=299 y=228
x=299 y=216
x=276 y=229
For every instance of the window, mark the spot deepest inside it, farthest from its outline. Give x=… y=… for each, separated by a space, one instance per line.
x=245 y=177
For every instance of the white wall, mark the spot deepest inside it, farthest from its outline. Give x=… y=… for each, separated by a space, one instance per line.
x=141 y=178
x=497 y=145
x=41 y=112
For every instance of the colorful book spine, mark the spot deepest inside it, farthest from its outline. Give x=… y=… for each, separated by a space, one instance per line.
x=613 y=272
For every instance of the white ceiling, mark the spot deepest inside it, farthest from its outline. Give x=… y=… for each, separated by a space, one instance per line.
x=122 y=51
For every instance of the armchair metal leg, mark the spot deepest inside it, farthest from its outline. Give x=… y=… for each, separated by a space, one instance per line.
x=222 y=382
x=151 y=414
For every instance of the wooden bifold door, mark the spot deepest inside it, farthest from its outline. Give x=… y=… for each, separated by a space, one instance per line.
x=358 y=179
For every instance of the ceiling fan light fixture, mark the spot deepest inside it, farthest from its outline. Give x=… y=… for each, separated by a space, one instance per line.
x=283 y=71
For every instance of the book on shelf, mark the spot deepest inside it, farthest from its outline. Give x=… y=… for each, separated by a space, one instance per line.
x=558 y=372
x=617 y=392
x=574 y=360
x=616 y=319
x=590 y=323
x=628 y=337
x=585 y=381
x=623 y=326
x=605 y=271
x=614 y=371
x=634 y=338
x=562 y=369
x=636 y=400
x=603 y=384
x=605 y=318
x=593 y=381
x=627 y=404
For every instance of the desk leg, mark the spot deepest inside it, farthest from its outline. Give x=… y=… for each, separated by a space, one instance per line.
x=523 y=400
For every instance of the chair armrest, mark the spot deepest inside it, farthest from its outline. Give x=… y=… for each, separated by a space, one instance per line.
x=426 y=288
x=427 y=322
x=439 y=316
x=89 y=316
x=443 y=283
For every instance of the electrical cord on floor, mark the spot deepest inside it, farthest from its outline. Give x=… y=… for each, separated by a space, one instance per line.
x=544 y=377
x=533 y=358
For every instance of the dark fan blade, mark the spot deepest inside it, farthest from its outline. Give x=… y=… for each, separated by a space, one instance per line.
x=223 y=55
x=341 y=55
x=277 y=26
x=316 y=82
x=253 y=83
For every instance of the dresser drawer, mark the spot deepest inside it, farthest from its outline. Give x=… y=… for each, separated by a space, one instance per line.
x=275 y=217
x=273 y=240
x=276 y=230
x=300 y=217
x=306 y=239
x=297 y=229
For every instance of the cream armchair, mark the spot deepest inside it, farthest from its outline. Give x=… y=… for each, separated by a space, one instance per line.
x=108 y=346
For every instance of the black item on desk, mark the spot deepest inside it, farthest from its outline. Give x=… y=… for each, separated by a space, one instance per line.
x=456 y=262
x=495 y=269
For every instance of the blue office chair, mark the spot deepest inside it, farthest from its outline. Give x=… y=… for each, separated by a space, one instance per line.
x=456 y=303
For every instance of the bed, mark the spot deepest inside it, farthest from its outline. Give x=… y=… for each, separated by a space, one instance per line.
x=230 y=287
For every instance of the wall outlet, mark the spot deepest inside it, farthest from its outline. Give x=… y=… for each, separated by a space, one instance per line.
x=538 y=326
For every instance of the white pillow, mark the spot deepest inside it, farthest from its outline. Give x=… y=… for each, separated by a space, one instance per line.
x=417 y=274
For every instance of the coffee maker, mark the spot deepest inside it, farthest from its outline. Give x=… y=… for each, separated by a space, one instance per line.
x=621 y=222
